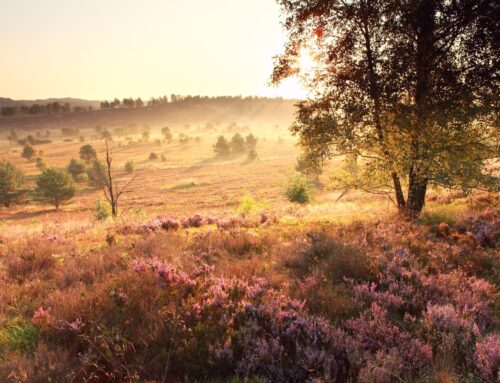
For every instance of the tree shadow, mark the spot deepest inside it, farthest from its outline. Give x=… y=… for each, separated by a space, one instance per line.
x=211 y=160
x=26 y=215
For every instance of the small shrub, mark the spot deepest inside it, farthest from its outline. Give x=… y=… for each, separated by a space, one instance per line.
x=153 y=156
x=102 y=210
x=248 y=205
x=129 y=166
x=297 y=189
x=28 y=152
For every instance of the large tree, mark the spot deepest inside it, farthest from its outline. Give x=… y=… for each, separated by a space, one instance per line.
x=407 y=88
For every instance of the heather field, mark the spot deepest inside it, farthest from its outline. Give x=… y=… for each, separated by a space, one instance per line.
x=209 y=273
x=250 y=191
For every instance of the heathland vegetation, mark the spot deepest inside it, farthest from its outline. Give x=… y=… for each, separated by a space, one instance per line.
x=188 y=239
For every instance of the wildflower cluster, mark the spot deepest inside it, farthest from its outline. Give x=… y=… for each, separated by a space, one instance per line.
x=196 y=221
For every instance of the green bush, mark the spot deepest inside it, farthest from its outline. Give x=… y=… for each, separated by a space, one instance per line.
x=28 y=152
x=96 y=174
x=222 y=147
x=129 y=166
x=102 y=210
x=248 y=205
x=77 y=170
x=87 y=153
x=237 y=143
x=297 y=189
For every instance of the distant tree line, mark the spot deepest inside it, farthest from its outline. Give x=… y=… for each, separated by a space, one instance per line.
x=49 y=108
x=179 y=99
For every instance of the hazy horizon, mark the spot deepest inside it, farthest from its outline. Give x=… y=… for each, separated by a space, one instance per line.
x=98 y=50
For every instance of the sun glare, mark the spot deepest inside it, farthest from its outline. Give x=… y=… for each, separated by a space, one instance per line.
x=306 y=61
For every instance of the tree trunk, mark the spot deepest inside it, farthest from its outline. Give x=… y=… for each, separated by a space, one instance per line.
x=400 y=199
x=375 y=95
x=417 y=189
x=424 y=56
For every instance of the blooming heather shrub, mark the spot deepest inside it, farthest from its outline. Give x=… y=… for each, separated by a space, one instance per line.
x=197 y=325
x=193 y=221
x=488 y=358
x=169 y=223
x=448 y=332
x=394 y=298
x=279 y=342
x=196 y=221
x=415 y=313
x=374 y=336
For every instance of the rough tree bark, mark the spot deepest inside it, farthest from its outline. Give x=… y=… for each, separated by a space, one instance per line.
x=417 y=180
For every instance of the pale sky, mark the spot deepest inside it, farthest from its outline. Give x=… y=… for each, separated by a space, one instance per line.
x=101 y=49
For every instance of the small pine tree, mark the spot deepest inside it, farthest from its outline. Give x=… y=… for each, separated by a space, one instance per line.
x=250 y=142
x=77 y=169
x=221 y=147
x=237 y=143
x=28 y=152
x=55 y=187
x=96 y=174
x=11 y=182
x=87 y=153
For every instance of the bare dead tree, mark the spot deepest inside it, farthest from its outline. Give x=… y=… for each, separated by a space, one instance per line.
x=111 y=190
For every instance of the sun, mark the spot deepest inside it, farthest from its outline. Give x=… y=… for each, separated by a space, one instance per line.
x=305 y=61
